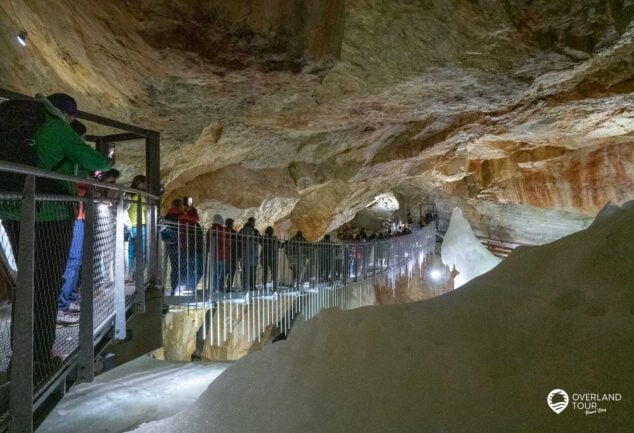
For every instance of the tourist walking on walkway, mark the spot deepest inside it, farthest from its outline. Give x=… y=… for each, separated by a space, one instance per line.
x=170 y=234
x=219 y=246
x=233 y=255
x=249 y=238
x=191 y=249
x=68 y=304
x=268 y=258
x=295 y=252
x=326 y=258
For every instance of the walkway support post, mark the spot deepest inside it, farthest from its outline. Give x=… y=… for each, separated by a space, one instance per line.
x=119 y=274
x=86 y=357
x=153 y=176
x=21 y=391
x=139 y=257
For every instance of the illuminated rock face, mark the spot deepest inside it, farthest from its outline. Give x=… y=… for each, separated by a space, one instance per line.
x=303 y=114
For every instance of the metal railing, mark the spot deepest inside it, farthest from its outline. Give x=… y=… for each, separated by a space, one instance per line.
x=81 y=252
x=63 y=252
x=247 y=282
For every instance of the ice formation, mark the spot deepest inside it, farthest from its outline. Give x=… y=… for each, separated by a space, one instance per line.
x=460 y=248
x=119 y=400
x=480 y=359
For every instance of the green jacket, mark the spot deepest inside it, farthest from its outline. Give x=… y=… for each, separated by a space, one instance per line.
x=59 y=148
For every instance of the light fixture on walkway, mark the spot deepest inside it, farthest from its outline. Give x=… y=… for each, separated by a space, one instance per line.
x=435 y=274
x=22 y=37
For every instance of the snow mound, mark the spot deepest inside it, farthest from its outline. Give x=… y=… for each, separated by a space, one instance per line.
x=460 y=248
x=480 y=359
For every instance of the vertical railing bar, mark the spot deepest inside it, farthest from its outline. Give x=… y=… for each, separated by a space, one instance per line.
x=21 y=386
x=139 y=280
x=119 y=274
x=152 y=243
x=86 y=356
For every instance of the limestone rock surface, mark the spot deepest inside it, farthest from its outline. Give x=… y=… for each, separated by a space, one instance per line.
x=302 y=112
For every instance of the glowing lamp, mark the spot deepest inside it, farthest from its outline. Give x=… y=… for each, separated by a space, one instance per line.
x=435 y=274
x=22 y=38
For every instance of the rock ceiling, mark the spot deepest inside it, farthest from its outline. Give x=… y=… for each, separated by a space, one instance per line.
x=302 y=112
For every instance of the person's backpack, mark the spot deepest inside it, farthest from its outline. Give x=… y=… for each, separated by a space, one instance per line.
x=19 y=121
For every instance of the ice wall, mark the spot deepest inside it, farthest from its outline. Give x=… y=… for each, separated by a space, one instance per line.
x=461 y=248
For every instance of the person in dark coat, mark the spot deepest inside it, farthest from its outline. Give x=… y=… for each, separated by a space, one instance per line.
x=249 y=238
x=326 y=258
x=232 y=254
x=268 y=258
x=170 y=236
x=295 y=252
x=219 y=247
x=191 y=249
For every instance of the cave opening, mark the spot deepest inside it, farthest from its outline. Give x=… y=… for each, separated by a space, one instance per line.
x=380 y=215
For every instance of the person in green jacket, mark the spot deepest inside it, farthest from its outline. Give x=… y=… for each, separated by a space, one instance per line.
x=59 y=149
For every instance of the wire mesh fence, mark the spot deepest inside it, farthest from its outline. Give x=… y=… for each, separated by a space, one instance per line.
x=247 y=282
x=58 y=280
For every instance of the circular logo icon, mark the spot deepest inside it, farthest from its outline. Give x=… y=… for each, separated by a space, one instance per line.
x=557 y=400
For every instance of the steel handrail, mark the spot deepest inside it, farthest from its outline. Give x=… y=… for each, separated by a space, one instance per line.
x=38 y=172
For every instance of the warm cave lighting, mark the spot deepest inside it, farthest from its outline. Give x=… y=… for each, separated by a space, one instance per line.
x=22 y=38
x=435 y=274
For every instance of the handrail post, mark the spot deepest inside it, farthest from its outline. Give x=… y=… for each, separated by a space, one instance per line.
x=21 y=388
x=86 y=356
x=153 y=176
x=374 y=244
x=152 y=243
x=139 y=280
x=356 y=262
x=119 y=274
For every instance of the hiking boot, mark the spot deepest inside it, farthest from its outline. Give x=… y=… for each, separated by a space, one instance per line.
x=66 y=318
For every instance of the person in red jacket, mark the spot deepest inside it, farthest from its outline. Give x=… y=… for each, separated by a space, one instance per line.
x=191 y=249
x=219 y=247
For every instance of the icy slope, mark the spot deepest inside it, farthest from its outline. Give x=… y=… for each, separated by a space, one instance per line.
x=480 y=359
x=140 y=391
x=460 y=248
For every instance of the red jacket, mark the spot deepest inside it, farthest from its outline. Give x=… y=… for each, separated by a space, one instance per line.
x=222 y=241
x=189 y=217
x=173 y=214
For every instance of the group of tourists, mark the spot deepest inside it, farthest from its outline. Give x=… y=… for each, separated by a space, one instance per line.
x=224 y=259
x=216 y=253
